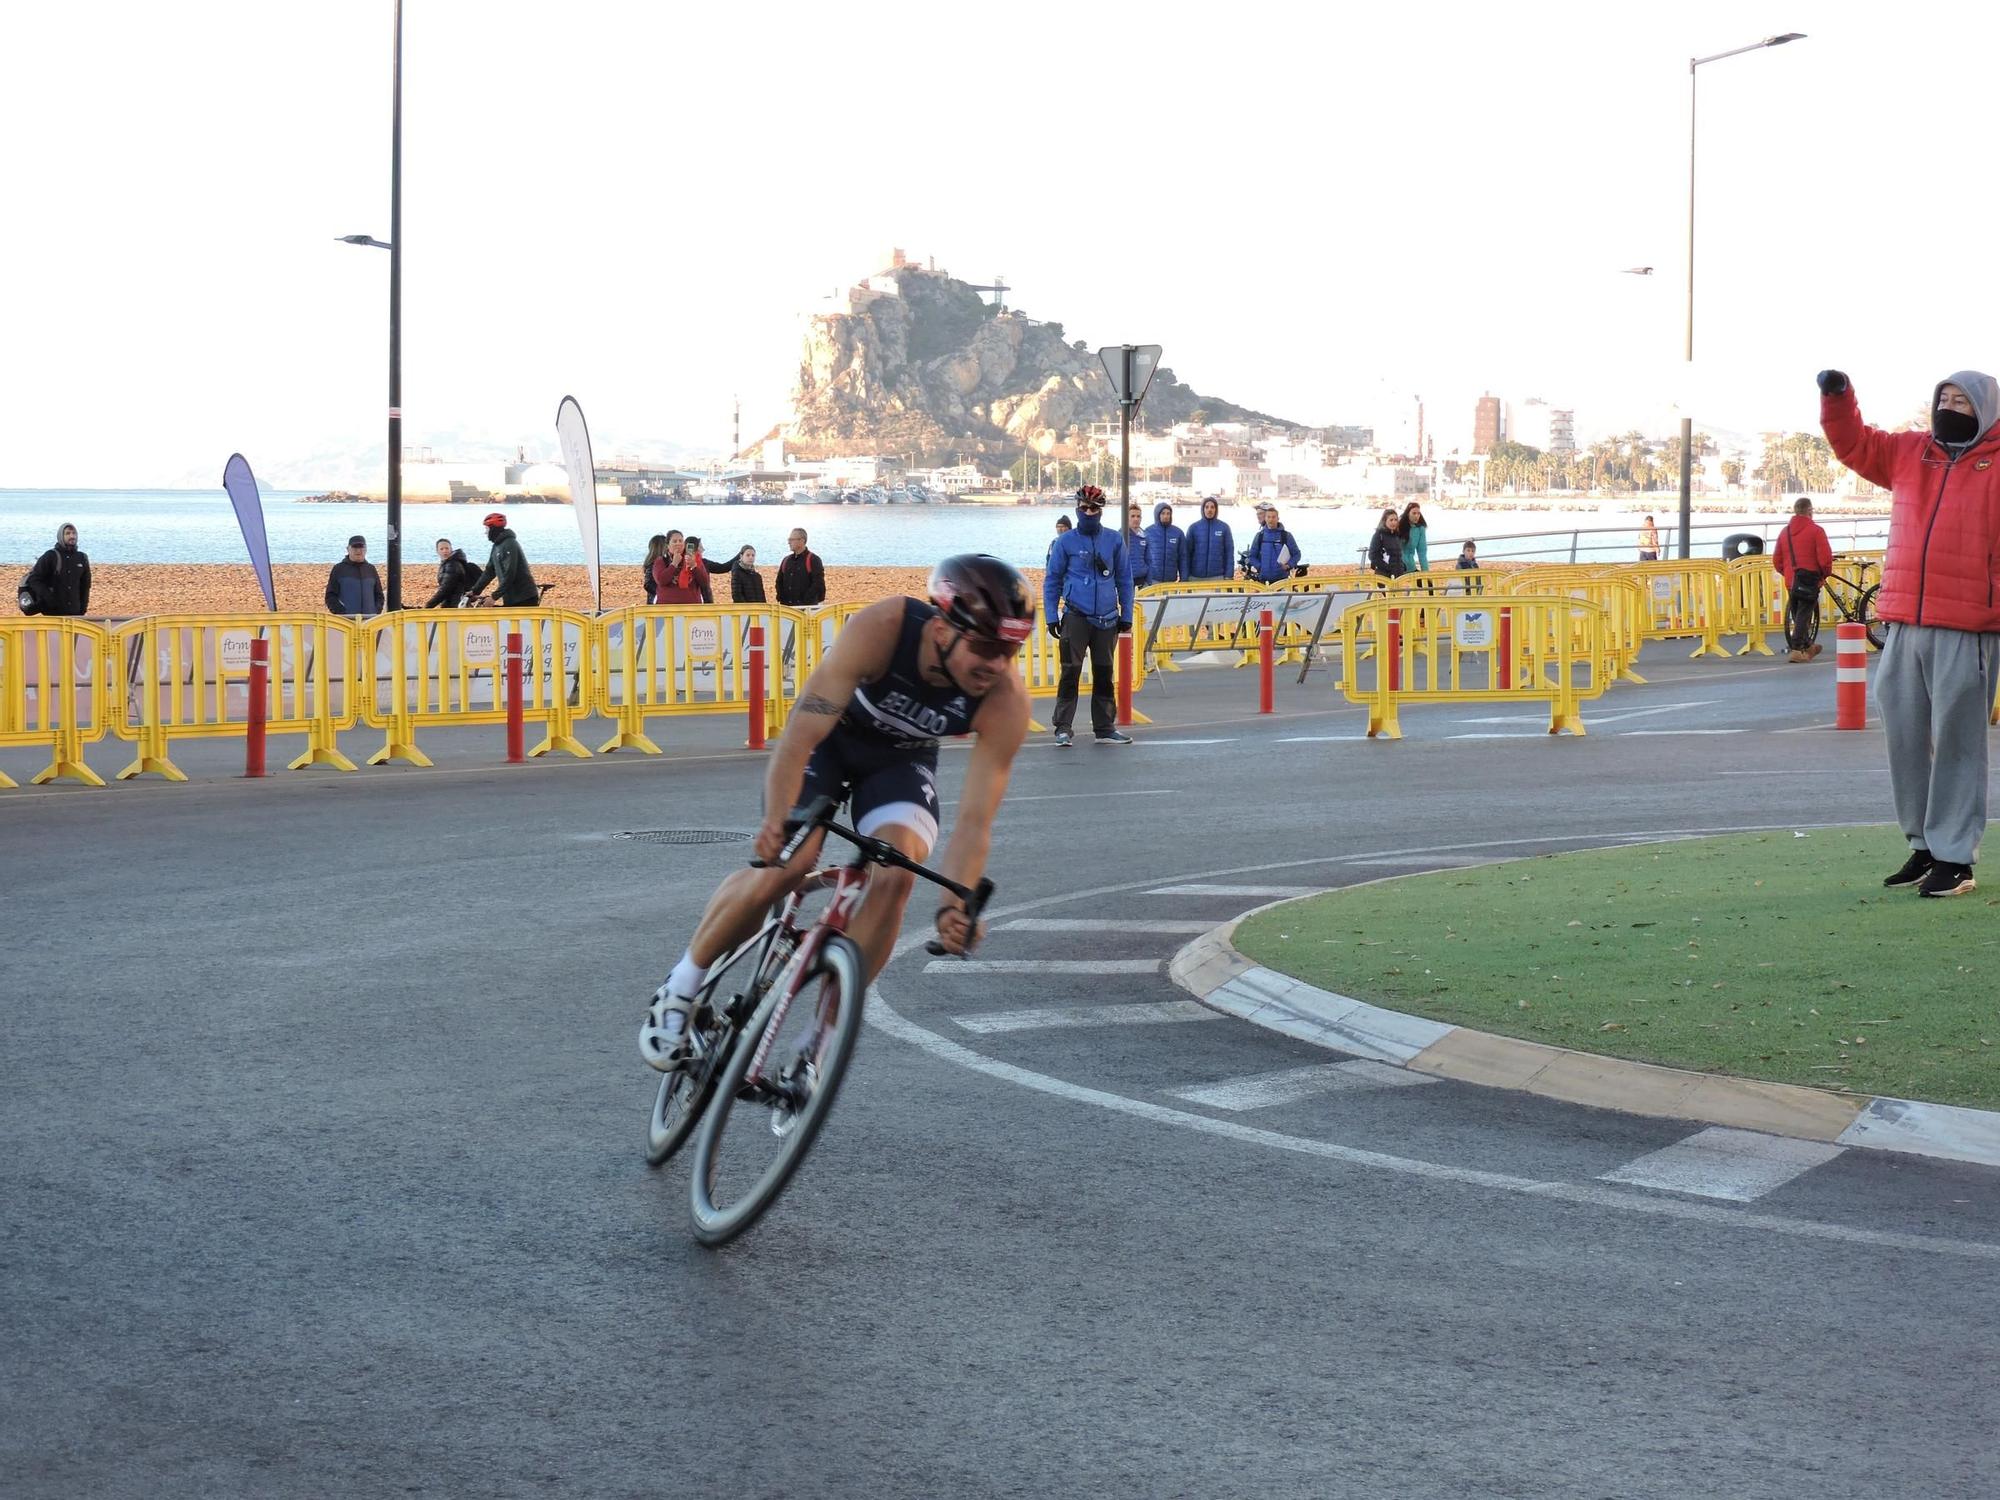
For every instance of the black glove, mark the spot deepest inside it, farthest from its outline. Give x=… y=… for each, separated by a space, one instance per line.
x=1833 y=382
x=1124 y=627
x=1299 y=571
x=1055 y=628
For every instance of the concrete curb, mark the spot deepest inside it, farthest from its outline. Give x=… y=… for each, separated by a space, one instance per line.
x=1210 y=969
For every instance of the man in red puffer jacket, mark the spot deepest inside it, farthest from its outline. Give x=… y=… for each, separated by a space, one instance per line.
x=1941 y=597
x=1803 y=558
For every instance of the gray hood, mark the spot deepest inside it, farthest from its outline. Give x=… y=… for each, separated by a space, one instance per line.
x=67 y=525
x=1984 y=391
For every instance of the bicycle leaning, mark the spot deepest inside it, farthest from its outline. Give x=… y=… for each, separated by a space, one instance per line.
x=1852 y=597
x=745 y=1064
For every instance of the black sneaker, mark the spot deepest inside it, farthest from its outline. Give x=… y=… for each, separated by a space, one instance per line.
x=1114 y=738
x=1947 y=879
x=1915 y=868
x=1063 y=738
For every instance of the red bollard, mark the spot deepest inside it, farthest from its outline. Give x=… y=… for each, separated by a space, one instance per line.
x=1504 y=673
x=1395 y=663
x=1851 y=678
x=1267 y=640
x=1125 y=677
x=259 y=707
x=517 y=751
x=756 y=660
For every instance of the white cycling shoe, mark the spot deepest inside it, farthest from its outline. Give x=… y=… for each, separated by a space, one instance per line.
x=665 y=1040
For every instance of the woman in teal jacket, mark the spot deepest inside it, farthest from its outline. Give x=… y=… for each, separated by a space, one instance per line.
x=1416 y=539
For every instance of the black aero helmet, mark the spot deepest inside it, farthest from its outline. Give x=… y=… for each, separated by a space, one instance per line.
x=983 y=598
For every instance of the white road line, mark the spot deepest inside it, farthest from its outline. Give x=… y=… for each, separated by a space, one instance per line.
x=1312 y=739
x=1043 y=966
x=1739 y=1166
x=1632 y=734
x=1145 y=741
x=1268 y=1090
x=1146 y=1013
x=1517 y=735
x=1081 y=796
x=1789 y=771
x=1167 y=927
x=1659 y=708
x=1595 y=1195
x=1234 y=890
x=1435 y=861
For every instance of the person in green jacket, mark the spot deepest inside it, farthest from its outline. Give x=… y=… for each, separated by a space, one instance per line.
x=1416 y=539
x=506 y=568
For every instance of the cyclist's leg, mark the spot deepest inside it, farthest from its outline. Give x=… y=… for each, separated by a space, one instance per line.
x=898 y=805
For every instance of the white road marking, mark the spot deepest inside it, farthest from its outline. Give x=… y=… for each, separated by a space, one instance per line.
x=1535 y=734
x=1235 y=890
x=1268 y=1090
x=1739 y=1166
x=1081 y=796
x=1633 y=734
x=1144 y=741
x=1437 y=861
x=1168 y=927
x=1661 y=708
x=1312 y=739
x=1145 y=1013
x=1043 y=966
x=1790 y=771
x=1596 y=1195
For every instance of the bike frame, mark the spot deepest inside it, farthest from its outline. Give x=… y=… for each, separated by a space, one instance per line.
x=850 y=883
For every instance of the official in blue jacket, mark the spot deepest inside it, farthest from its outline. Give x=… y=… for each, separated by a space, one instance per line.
x=1274 y=551
x=1211 y=550
x=1087 y=597
x=1134 y=540
x=1166 y=547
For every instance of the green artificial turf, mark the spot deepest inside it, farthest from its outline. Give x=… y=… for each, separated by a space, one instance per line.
x=1771 y=955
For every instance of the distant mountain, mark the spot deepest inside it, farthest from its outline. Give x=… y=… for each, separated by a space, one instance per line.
x=916 y=361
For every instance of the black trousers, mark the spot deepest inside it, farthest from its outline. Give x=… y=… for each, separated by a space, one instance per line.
x=1079 y=636
x=1802 y=615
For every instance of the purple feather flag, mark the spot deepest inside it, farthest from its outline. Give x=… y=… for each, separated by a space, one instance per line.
x=242 y=487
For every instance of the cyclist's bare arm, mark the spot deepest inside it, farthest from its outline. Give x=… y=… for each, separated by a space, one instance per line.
x=1001 y=725
x=861 y=651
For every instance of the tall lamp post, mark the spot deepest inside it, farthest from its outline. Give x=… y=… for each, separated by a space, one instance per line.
x=1687 y=422
x=394 y=246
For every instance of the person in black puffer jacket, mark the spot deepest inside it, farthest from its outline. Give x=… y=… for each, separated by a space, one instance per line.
x=456 y=575
x=1385 y=548
x=746 y=584
x=60 y=578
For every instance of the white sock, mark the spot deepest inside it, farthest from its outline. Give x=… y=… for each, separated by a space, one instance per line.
x=687 y=975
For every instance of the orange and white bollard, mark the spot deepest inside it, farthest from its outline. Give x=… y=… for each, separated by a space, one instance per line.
x=1851 y=678
x=258 y=707
x=516 y=717
x=1394 y=665
x=1125 y=678
x=1505 y=670
x=756 y=670
x=1267 y=640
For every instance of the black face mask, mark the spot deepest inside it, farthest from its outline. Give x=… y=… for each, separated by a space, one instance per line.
x=493 y=533
x=1954 y=427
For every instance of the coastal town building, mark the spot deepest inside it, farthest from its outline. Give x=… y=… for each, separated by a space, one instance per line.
x=1489 y=424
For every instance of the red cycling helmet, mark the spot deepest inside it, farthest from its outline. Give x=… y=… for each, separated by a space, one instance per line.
x=981 y=597
x=1090 y=494
x=494 y=518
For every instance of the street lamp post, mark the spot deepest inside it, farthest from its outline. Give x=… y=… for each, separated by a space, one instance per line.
x=394 y=245
x=1687 y=422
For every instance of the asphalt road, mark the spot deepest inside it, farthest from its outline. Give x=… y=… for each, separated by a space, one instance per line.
x=323 y=1118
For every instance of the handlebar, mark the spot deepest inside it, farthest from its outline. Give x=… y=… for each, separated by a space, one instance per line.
x=818 y=814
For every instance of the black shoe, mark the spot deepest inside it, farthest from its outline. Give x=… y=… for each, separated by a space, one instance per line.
x=1915 y=868
x=1114 y=737
x=1947 y=879
x=1063 y=738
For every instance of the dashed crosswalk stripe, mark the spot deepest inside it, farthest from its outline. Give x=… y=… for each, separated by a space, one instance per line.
x=1043 y=966
x=1171 y=927
x=1268 y=1090
x=1234 y=890
x=1150 y=1013
x=1740 y=1166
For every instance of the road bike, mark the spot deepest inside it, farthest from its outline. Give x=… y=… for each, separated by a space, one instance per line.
x=745 y=1070
x=1852 y=596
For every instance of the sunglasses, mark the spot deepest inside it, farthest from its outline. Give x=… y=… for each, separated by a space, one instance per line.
x=992 y=650
x=1091 y=510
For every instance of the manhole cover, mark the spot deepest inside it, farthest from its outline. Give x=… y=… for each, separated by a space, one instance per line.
x=684 y=836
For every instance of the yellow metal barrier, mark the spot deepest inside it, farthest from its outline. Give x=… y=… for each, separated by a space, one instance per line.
x=1624 y=601
x=1204 y=615
x=654 y=661
x=1754 y=597
x=51 y=694
x=1470 y=650
x=438 y=667
x=1687 y=597
x=188 y=676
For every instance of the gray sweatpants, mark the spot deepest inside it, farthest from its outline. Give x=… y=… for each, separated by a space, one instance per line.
x=1934 y=688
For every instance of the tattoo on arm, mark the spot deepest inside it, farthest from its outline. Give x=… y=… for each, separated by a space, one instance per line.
x=812 y=703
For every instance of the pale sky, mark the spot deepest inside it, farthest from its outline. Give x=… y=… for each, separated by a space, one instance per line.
x=1315 y=212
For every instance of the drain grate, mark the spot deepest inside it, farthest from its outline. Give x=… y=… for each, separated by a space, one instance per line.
x=684 y=836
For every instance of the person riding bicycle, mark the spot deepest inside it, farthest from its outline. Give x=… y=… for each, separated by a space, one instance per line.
x=1803 y=557
x=902 y=675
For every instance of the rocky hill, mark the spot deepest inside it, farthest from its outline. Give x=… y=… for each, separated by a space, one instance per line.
x=917 y=362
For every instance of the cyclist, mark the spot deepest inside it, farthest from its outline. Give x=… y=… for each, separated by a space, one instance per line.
x=902 y=675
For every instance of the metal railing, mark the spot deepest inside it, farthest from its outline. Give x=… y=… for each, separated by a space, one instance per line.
x=1620 y=543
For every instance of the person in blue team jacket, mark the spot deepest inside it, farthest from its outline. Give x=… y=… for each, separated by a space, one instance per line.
x=1211 y=550
x=1087 y=598
x=1166 y=547
x=1274 y=551
x=1135 y=548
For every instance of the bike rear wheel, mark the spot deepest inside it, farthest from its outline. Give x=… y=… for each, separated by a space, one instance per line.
x=1878 y=628
x=757 y=1130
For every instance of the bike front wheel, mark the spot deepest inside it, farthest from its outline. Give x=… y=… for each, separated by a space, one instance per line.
x=774 y=1093
x=684 y=1093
